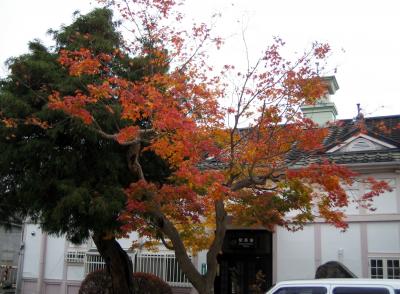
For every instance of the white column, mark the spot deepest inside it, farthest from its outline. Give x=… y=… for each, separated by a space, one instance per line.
x=317 y=246
x=65 y=269
x=42 y=263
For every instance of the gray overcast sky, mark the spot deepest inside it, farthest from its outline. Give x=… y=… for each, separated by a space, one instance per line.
x=368 y=31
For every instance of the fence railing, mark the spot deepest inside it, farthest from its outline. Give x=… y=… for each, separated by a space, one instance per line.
x=93 y=262
x=8 y=275
x=164 y=266
x=75 y=256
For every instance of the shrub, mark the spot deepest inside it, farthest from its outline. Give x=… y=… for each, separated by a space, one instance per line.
x=150 y=284
x=99 y=282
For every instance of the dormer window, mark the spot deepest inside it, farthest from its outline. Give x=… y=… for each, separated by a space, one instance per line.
x=362 y=144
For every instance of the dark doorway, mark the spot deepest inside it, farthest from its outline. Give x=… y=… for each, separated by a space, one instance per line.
x=245 y=265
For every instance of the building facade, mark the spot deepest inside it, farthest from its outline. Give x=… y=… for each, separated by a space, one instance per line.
x=52 y=264
x=370 y=247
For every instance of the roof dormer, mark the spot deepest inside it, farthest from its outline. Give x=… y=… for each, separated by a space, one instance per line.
x=361 y=142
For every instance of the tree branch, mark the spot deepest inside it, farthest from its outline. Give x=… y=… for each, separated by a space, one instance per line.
x=248 y=182
x=165 y=243
x=216 y=246
x=133 y=160
x=167 y=228
x=140 y=139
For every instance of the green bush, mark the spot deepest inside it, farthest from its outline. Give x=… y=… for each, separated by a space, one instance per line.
x=99 y=282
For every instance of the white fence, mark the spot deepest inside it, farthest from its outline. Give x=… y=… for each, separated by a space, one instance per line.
x=93 y=262
x=163 y=265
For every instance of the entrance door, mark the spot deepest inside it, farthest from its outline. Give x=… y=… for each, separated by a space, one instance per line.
x=244 y=275
x=245 y=265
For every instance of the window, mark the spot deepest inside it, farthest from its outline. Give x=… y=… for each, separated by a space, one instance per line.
x=301 y=290
x=360 y=290
x=393 y=269
x=75 y=256
x=384 y=268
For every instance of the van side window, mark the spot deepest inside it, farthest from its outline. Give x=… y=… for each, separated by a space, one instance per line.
x=302 y=290
x=360 y=290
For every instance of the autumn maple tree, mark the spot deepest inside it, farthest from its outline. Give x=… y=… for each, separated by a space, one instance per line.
x=245 y=160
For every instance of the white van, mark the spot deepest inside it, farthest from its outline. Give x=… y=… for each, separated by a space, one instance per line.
x=337 y=286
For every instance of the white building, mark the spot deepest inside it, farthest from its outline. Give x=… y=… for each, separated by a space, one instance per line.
x=369 y=248
x=53 y=265
x=371 y=245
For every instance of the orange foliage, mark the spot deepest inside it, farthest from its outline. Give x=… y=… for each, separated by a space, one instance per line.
x=127 y=134
x=176 y=114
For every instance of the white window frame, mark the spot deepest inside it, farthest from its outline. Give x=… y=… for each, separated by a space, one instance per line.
x=385 y=267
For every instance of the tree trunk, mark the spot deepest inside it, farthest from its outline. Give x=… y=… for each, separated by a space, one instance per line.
x=203 y=284
x=118 y=264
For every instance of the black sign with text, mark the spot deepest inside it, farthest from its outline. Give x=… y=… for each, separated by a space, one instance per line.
x=247 y=241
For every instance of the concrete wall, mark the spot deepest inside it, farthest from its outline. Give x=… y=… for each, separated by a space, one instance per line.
x=388 y=202
x=344 y=247
x=295 y=254
x=370 y=233
x=29 y=286
x=299 y=254
x=55 y=252
x=32 y=241
x=10 y=241
x=384 y=237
